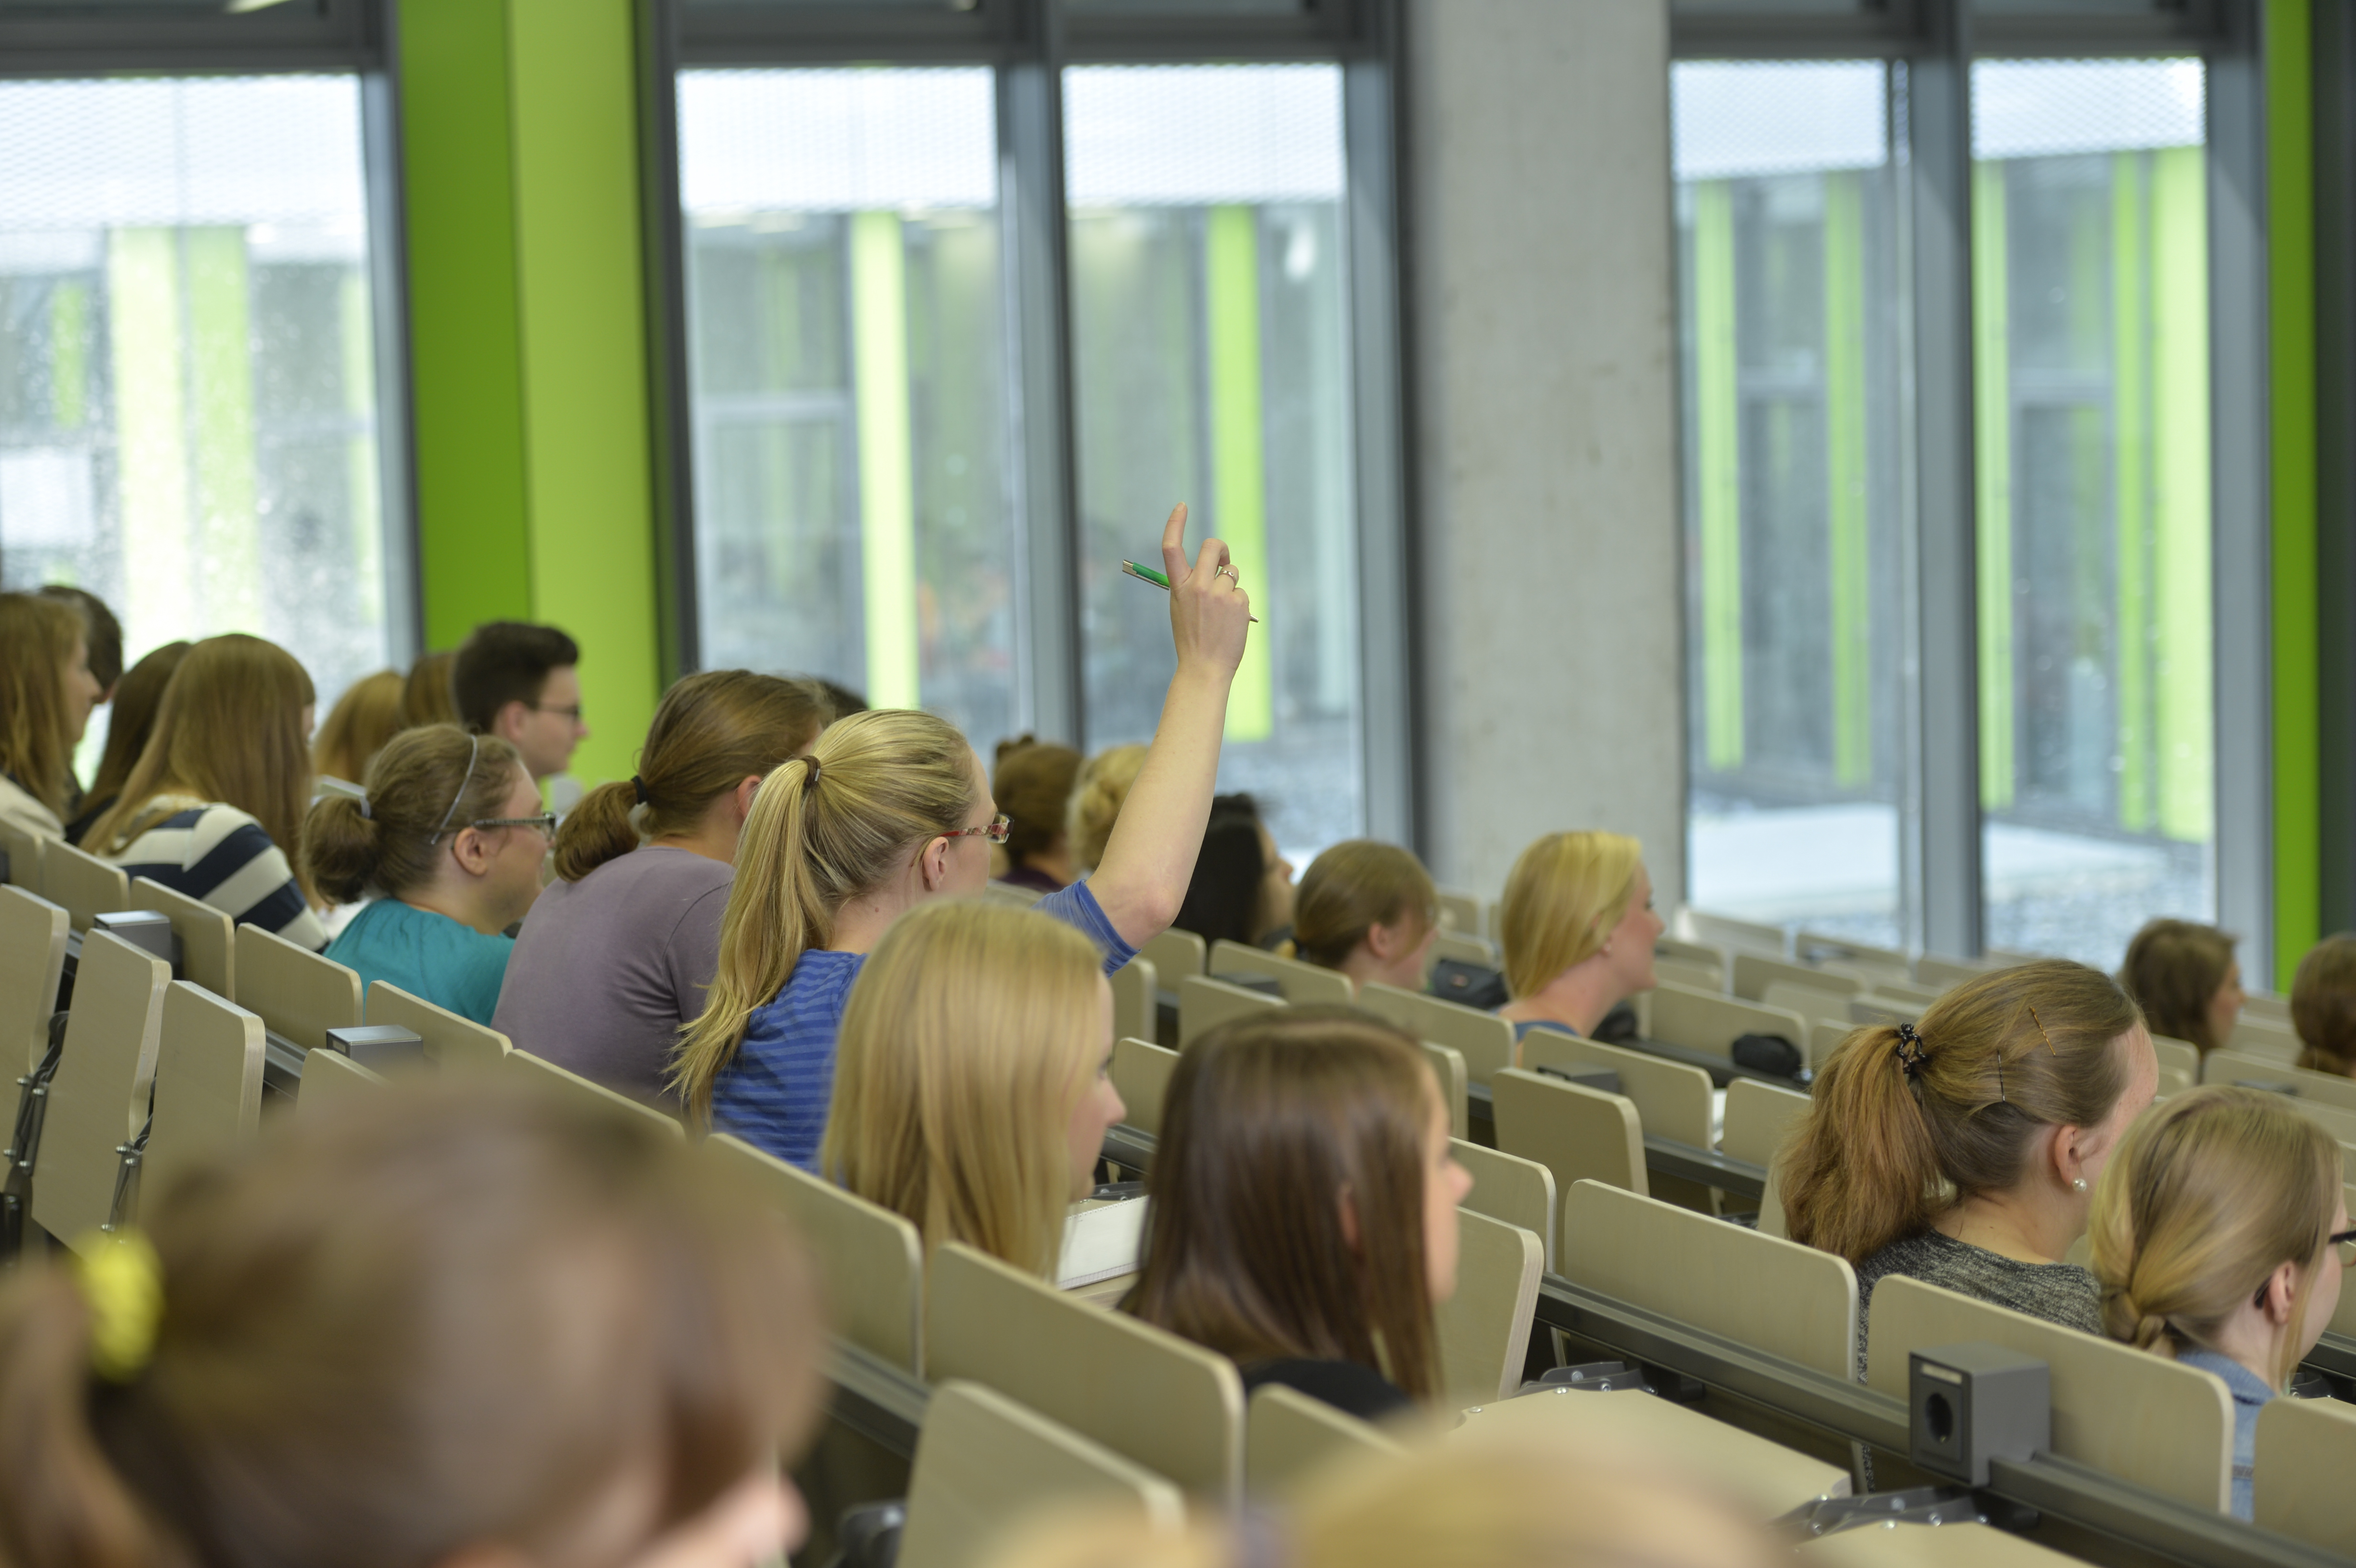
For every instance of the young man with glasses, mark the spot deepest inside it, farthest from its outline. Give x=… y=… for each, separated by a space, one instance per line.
x=522 y=684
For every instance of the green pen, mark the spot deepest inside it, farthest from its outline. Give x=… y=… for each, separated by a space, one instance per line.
x=1147 y=574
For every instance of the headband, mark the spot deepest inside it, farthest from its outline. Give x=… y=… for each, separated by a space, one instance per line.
x=475 y=750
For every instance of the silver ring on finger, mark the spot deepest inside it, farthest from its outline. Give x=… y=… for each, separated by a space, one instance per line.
x=1230 y=573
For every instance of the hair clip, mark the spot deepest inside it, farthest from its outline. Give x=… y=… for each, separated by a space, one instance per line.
x=1910 y=1055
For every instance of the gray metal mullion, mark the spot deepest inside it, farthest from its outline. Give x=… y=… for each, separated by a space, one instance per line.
x=2335 y=395
x=1387 y=659
x=670 y=391
x=1048 y=689
x=387 y=263
x=1944 y=838
x=2240 y=505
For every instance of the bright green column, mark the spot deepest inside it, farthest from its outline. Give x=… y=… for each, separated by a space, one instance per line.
x=2131 y=333
x=2184 y=723
x=1846 y=479
x=1238 y=458
x=143 y=308
x=1992 y=460
x=2291 y=414
x=535 y=498
x=1717 y=437
x=360 y=462
x=220 y=357
x=887 y=497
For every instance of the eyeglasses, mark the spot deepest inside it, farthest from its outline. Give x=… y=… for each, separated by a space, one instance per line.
x=545 y=822
x=2341 y=1242
x=571 y=712
x=1000 y=826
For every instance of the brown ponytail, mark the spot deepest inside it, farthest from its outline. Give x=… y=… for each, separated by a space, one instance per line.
x=415 y=787
x=1896 y=1121
x=355 y=1364
x=714 y=731
x=884 y=781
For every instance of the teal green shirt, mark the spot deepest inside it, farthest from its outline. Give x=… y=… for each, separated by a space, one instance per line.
x=429 y=955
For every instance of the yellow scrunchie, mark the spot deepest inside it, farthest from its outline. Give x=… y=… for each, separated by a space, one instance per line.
x=122 y=1280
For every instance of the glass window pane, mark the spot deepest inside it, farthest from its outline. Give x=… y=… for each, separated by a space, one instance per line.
x=849 y=382
x=1788 y=313
x=1211 y=365
x=187 y=385
x=2089 y=285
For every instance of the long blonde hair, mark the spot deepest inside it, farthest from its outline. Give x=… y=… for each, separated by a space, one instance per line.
x=1098 y=790
x=1565 y=894
x=37 y=648
x=971 y=1033
x=2207 y=1196
x=884 y=781
x=229 y=729
x=1898 y=1119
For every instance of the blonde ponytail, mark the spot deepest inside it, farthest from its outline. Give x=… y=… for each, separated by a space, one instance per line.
x=823 y=829
x=1956 y=1101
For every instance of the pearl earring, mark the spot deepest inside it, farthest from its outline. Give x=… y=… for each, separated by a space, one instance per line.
x=2080 y=1183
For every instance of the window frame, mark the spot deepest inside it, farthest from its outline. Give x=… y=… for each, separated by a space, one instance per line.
x=1941 y=871
x=1028 y=43
x=355 y=37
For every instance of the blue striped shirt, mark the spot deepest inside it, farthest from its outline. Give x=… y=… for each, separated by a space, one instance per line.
x=775 y=1092
x=218 y=855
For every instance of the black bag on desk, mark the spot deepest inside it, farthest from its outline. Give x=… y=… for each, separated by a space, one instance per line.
x=1473 y=984
x=1770 y=1053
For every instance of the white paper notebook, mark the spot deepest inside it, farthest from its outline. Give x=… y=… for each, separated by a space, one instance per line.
x=1100 y=1240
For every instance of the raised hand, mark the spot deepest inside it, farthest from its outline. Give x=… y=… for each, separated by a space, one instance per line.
x=1210 y=613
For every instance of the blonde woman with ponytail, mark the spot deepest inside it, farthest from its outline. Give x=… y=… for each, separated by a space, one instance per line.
x=891 y=809
x=622 y=946
x=972 y=1086
x=1962 y=1150
x=448 y=845
x=2220 y=1233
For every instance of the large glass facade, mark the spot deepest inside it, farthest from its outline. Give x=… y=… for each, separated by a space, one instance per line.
x=187 y=377
x=1211 y=364
x=2091 y=349
x=1789 y=314
x=849 y=392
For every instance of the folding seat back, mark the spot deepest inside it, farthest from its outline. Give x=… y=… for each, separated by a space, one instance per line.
x=1140 y=1073
x=2272 y=1039
x=452 y=1044
x=26 y=852
x=1694 y=976
x=1755 y=971
x=2179 y=1054
x=2127 y=1412
x=1289 y=1436
x=1768 y=1294
x=522 y=1066
x=1485 y=1039
x=1460 y=912
x=1170 y=1405
x=872 y=1260
x=208 y=938
x=1136 y=1000
x=1694 y=955
x=1204 y=1004
x=207 y=1082
x=1484 y=1327
x=1930 y=969
x=1726 y=932
x=1508 y=1188
x=1448 y=1070
x=2306 y=1451
x=1700 y=1021
x=1306 y=984
x=330 y=1078
x=86 y=886
x=985 y=1461
x=99 y=1099
x=1575 y=1132
x=32 y=962
x=299 y=994
x=1176 y=954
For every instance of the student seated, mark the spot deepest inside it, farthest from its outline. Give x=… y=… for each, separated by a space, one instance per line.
x=622 y=946
x=2220 y=1232
x=364 y=717
x=1034 y=787
x=434 y=1326
x=1098 y=789
x=1576 y=930
x=2184 y=976
x=425 y=692
x=2323 y=1006
x=972 y=1082
x=891 y=809
x=102 y=629
x=137 y=697
x=449 y=841
x=2012 y=1091
x=46 y=691
x=1304 y=1208
x=522 y=684
x=1242 y=888
x=1368 y=909
x=214 y=808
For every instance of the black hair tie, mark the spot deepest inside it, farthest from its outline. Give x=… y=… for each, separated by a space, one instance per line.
x=1910 y=1055
x=641 y=785
x=809 y=779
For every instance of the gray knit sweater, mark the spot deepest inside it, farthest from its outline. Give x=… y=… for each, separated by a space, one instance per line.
x=2059 y=1292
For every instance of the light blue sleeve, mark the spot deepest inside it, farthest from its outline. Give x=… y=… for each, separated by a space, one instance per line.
x=1076 y=907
